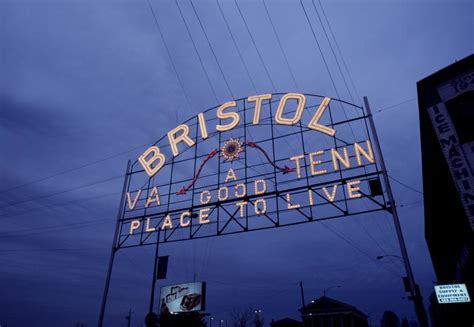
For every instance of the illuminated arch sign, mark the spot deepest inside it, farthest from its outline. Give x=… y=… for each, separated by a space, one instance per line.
x=255 y=163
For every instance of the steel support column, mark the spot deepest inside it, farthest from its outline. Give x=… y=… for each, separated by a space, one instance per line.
x=114 y=245
x=414 y=290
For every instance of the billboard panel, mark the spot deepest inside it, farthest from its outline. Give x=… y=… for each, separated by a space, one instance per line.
x=183 y=297
x=267 y=161
x=454 y=293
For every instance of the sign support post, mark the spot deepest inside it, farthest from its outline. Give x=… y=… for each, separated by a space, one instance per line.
x=155 y=270
x=114 y=244
x=414 y=289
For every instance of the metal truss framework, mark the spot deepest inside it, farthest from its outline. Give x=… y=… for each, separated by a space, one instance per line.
x=182 y=172
x=225 y=216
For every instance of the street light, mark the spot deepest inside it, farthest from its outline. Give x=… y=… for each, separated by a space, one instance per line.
x=221 y=322
x=210 y=321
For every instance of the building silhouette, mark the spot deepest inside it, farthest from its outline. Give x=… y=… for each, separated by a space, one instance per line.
x=286 y=322
x=446 y=108
x=327 y=312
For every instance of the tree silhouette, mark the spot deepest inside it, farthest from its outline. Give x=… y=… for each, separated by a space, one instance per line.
x=246 y=318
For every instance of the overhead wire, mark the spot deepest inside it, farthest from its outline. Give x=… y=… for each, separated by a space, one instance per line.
x=280 y=45
x=294 y=80
x=354 y=244
x=170 y=57
x=212 y=50
x=332 y=50
x=53 y=249
x=327 y=67
x=340 y=70
x=404 y=184
x=187 y=98
x=260 y=57
x=320 y=50
x=255 y=45
x=52 y=228
x=42 y=179
x=62 y=192
x=197 y=52
x=59 y=204
x=335 y=88
x=234 y=40
x=394 y=106
x=228 y=88
x=237 y=48
x=340 y=52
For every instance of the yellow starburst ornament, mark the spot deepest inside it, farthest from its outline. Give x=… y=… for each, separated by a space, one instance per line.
x=231 y=149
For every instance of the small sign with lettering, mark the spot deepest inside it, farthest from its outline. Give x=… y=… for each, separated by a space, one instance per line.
x=453 y=293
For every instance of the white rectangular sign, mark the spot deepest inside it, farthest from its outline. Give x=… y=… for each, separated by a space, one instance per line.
x=454 y=293
x=182 y=298
x=456 y=86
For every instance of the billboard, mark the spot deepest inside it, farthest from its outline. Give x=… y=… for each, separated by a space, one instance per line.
x=453 y=293
x=183 y=298
x=260 y=162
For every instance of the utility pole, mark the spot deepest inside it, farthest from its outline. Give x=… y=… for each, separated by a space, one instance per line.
x=415 y=294
x=129 y=317
x=155 y=269
x=302 y=302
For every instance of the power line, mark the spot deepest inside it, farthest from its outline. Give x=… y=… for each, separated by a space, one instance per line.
x=255 y=45
x=212 y=49
x=345 y=83
x=354 y=245
x=237 y=48
x=339 y=67
x=332 y=50
x=196 y=50
x=72 y=169
x=344 y=62
x=395 y=105
x=52 y=228
x=335 y=88
x=60 y=204
x=410 y=204
x=320 y=50
x=404 y=184
x=61 y=192
x=328 y=70
x=280 y=45
x=348 y=71
x=53 y=249
x=135 y=148
x=339 y=50
x=169 y=53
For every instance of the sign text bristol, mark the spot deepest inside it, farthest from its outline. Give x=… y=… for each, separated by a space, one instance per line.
x=264 y=174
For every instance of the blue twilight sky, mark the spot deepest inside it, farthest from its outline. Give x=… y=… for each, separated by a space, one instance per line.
x=88 y=84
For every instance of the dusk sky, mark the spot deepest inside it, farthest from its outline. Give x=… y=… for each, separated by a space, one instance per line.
x=87 y=85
